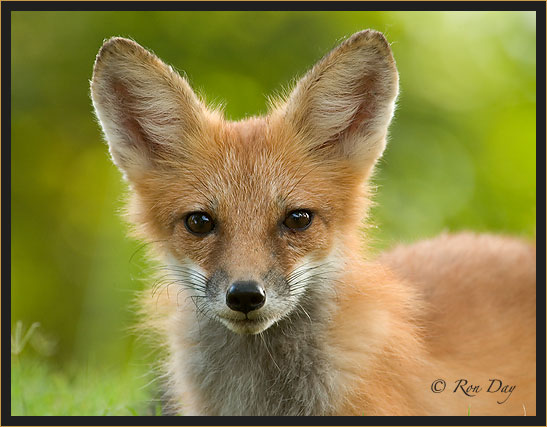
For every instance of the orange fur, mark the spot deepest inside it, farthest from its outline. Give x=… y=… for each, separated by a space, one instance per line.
x=370 y=336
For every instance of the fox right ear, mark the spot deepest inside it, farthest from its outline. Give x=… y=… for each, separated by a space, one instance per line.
x=342 y=107
x=145 y=108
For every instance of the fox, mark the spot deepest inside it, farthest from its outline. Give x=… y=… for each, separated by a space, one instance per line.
x=268 y=300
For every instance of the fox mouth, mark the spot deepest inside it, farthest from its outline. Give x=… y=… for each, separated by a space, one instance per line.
x=246 y=326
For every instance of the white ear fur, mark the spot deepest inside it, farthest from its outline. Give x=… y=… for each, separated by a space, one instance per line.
x=145 y=108
x=346 y=101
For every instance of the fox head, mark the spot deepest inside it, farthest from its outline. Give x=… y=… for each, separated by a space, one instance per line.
x=249 y=217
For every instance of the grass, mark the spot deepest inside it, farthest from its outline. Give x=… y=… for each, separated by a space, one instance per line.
x=39 y=387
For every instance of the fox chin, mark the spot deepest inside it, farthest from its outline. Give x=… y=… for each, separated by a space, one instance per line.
x=266 y=300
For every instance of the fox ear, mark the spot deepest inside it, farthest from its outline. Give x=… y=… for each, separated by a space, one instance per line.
x=145 y=108
x=344 y=104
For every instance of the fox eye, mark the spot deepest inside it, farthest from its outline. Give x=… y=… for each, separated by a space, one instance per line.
x=199 y=223
x=298 y=219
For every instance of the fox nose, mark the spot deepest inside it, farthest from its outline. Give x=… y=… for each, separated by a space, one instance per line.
x=245 y=296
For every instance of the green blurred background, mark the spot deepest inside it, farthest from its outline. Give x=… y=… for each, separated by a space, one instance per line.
x=461 y=156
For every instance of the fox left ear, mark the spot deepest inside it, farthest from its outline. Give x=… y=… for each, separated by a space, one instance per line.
x=344 y=104
x=148 y=112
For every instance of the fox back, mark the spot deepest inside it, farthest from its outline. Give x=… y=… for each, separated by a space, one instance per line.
x=273 y=309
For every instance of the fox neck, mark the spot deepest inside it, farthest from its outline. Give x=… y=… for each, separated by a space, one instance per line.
x=285 y=370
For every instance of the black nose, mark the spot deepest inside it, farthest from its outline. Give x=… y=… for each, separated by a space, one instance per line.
x=245 y=296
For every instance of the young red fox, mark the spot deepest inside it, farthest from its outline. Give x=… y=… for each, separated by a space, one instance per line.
x=256 y=223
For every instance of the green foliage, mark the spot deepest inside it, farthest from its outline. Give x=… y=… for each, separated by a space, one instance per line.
x=39 y=389
x=20 y=340
x=461 y=156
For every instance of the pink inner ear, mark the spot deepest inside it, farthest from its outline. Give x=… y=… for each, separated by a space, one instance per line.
x=364 y=115
x=368 y=89
x=137 y=136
